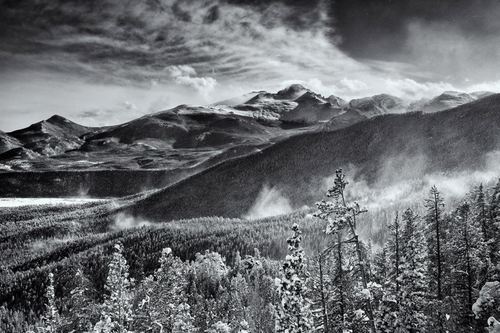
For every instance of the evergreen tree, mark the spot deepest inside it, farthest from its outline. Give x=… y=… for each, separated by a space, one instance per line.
x=81 y=315
x=435 y=237
x=117 y=308
x=183 y=321
x=493 y=234
x=480 y=219
x=394 y=254
x=341 y=218
x=414 y=279
x=51 y=320
x=163 y=293
x=293 y=314
x=466 y=251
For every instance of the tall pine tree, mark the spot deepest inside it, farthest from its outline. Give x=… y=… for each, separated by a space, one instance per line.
x=293 y=314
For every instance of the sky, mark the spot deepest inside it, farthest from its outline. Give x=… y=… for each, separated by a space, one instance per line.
x=102 y=62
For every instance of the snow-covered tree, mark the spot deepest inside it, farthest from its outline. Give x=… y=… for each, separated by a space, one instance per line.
x=435 y=234
x=51 y=320
x=163 y=293
x=117 y=308
x=493 y=233
x=341 y=220
x=488 y=305
x=466 y=251
x=413 y=297
x=81 y=305
x=293 y=314
x=183 y=321
x=219 y=327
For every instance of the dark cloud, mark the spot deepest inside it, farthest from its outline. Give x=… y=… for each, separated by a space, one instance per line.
x=377 y=28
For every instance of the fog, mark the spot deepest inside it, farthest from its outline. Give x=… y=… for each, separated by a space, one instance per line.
x=269 y=202
x=123 y=221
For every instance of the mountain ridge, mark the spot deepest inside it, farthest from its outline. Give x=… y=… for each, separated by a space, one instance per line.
x=447 y=140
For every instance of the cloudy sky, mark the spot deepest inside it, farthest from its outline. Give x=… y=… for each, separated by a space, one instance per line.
x=106 y=61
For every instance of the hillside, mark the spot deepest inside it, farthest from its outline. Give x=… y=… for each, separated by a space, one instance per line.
x=8 y=142
x=415 y=144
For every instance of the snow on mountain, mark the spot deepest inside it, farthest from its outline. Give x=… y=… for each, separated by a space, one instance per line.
x=447 y=100
x=378 y=105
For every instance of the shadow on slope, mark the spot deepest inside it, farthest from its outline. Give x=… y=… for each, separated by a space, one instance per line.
x=453 y=140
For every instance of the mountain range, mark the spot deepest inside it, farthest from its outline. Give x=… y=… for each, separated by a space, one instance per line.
x=58 y=157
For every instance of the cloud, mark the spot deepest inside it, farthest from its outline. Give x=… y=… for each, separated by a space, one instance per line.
x=186 y=75
x=452 y=53
x=166 y=52
x=269 y=202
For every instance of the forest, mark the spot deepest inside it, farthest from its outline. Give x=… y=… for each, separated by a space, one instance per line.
x=435 y=268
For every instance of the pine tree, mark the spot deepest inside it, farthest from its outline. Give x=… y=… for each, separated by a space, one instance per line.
x=51 y=320
x=480 y=219
x=117 y=308
x=414 y=279
x=394 y=254
x=164 y=292
x=323 y=290
x=493 y=234
x=434 y=219
x=80 y=302
x=466 y=251
x=292 y=313
x=341 y=218
x=183 y=321
x=435 y=237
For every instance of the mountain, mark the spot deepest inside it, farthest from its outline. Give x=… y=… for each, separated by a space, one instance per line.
x=411 y=145
x=173 y=144
x=180 y=138
x=447 y=100
x=53 y=136
x=313 y=108
x=378 y=105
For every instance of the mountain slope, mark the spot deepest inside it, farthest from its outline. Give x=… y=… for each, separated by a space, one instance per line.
x=457 y=139
x=8 y=142
x=447 y=100
x=377 y=105
x=52 y=136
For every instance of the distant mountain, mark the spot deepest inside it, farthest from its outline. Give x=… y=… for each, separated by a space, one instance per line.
x=452 y=140
x=378 y=105
x=53 y=136
x=447 y=100
x=182 y=137
x=179 y=142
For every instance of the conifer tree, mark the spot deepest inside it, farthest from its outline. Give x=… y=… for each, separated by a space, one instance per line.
x=292 y=313
x=183 y=321
x=51 y=320
x=434 y=219
x=341 y=218
x=164 y=292
x=394 y=254
x=117 y=308
x=493 y=234
x=414 y=278
x=81 y=306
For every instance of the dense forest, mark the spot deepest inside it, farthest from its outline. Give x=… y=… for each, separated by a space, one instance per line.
x=434 y=269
